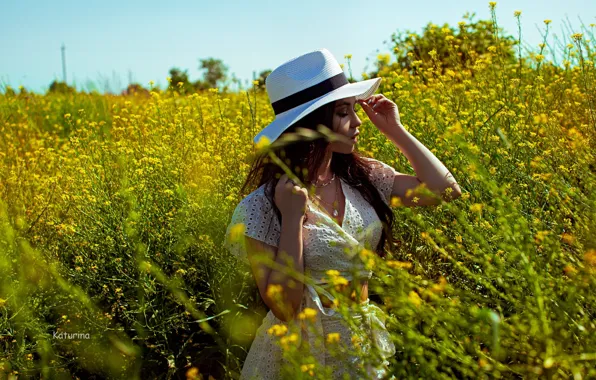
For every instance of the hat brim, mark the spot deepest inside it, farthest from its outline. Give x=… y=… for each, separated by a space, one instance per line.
x=361 y=90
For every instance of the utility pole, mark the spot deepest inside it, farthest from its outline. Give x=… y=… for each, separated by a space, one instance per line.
x=63 y=63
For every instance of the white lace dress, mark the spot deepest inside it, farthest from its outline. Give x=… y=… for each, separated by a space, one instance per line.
x=323 y=249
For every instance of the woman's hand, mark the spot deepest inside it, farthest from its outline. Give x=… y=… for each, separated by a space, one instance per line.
x=382 y=112
x=290 y=198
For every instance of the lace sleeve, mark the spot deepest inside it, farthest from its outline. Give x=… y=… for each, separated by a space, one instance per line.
x=382 y=177
x=254 y=217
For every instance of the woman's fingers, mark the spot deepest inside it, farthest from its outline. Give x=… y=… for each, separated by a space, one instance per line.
x=372 y=100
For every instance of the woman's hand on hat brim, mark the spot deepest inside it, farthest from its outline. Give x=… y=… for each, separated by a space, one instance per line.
x=382 y=112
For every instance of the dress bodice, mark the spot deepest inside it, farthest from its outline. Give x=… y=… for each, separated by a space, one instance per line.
x=326 y=244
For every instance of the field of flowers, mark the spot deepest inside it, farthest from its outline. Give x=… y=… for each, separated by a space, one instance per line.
x=113 y=213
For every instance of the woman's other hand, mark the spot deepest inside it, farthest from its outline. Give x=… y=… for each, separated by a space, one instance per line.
x=382 y=112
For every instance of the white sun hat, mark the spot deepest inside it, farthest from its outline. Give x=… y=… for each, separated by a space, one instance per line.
x=305 y=83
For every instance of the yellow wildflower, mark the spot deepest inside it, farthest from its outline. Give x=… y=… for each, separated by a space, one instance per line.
x=332 y=273
x=577 y=36
x=567 y=238
x=339 y=281
x=277 y=330
x=289 y=339
x=440 y=287
x=307 y=313
x=399 y=264
x=414 y=298
x=476 y=207
x=308 y=368
x=263 y=142
x=517 y=13
x=333 y=337
x=273 y=290
x=237 y=231
x=590 y=258
x=547 y=21
x=395 y=201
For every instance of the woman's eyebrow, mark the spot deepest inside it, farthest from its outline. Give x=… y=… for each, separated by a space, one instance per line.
x=344 y=104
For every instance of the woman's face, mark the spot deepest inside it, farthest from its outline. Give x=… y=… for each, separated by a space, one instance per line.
x=345 y=123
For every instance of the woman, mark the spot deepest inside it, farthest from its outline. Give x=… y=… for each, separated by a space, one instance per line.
x=335 y=204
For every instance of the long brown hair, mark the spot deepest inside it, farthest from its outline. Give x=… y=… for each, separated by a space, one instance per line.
x=303 y=157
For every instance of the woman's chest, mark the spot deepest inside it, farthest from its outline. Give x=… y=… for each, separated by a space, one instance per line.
x=323 y=236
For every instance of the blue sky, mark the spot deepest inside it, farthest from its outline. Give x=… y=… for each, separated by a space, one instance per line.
x=111 y=42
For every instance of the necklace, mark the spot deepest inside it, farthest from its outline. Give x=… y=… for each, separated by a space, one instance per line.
x=325 y=184
x=335 y=202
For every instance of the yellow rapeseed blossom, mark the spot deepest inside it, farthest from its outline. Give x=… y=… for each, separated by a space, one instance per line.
x=567 y=238
x=277 y=330
x=287 y=340
x=273 y=290
x=396 y=201
x=308 y=368
x=332 y=273
x=307 y=313
x=547 y=21
x=476 y=207
x=517 y=13
x=333 y=337
x=569 y=269
x=590 y=258
x=237 y=231
x=348 y=56
x=339 y=281
x=414 y=298
x=263 y=142
x=492 y=4
x=399 y=264
x=440 y=287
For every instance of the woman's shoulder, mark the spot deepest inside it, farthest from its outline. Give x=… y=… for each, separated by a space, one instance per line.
x=254 y=204
x=373 y=162
x=255 y=213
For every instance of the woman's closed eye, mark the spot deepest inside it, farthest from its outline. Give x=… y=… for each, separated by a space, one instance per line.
x=345 y=114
